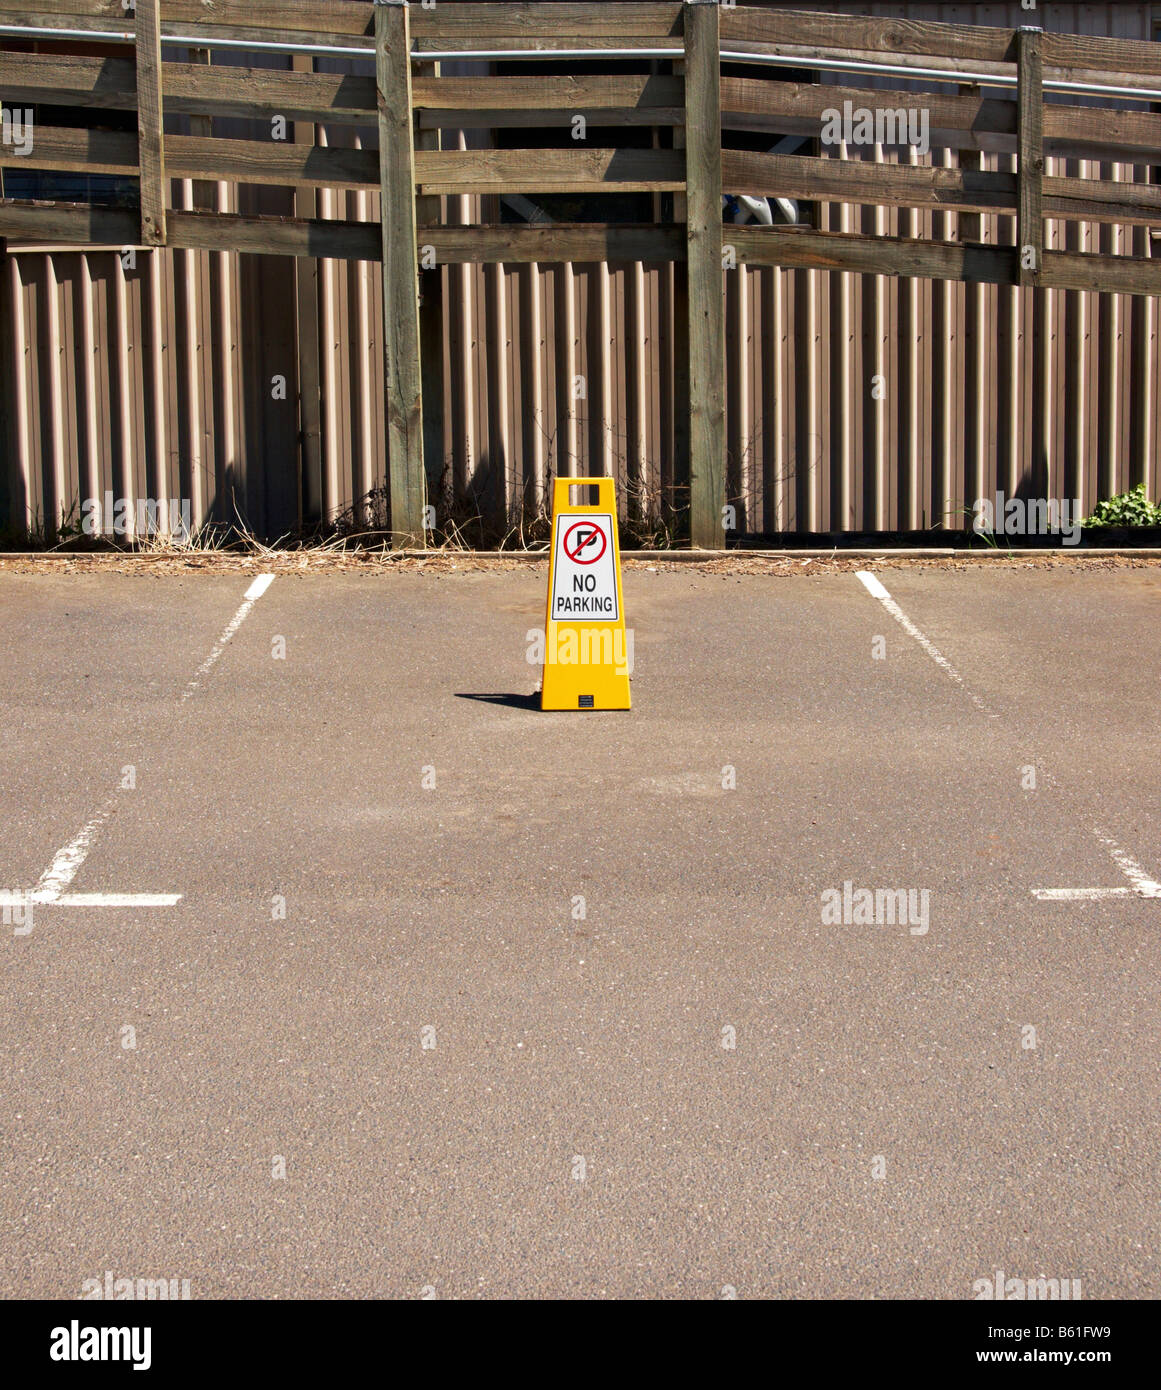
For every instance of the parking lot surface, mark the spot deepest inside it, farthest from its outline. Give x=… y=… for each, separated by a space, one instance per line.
x=456 y=998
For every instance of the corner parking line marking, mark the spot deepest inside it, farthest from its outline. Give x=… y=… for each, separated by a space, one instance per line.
x=1142 y=885
x=1136 y=875
x=50 y=887
x=63 y=869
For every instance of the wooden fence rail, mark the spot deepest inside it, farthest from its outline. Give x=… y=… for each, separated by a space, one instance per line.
x=703 y=60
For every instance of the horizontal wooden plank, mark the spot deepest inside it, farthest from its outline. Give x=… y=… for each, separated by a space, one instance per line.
x=98 y=83
x=194 y=156
x=115 y=22
x=1099 y=77
x=173 y=31
x=1112 y=56
x=816 y=55
x=529 y=102
x=192 y=89
x=437 y=171
x=76 y=224
x=242 y=35
x=1102 y=200
x=523 y=43
x=536 y=120
x=750 y=24
x=83 y=151
x=789 y=247
x=301 y=16
x=1117 y=135
x=804 y=248
x=1071 y=270
x=957 y=189
x=772 y=102
x=205 y=231
x=57 y=11
x=549 y=171
x=863 y=181
x=967 y=121
x=487 y=22
x=589 y=242
x=351 y=25
x=564 y=93
x=277 y=236
x=443 y=20
x=271 y=162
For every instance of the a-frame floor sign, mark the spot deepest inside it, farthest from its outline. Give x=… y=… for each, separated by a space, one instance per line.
x=586 y=659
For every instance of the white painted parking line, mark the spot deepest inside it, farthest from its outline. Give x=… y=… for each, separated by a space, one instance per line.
x=872 y=584
x=119 y=899
x=50 y=887
x=258 y=588
x=1081 y=895
x=63 y=869
x=9 y=899
x=1142 y=885
x=1136 y=875
x=877 y=590
x=249 y=599
x=91 y=900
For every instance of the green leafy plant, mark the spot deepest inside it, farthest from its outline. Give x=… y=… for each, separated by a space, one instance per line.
x=1131 y=508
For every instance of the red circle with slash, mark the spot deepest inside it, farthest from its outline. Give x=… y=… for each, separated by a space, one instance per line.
x=584 y=542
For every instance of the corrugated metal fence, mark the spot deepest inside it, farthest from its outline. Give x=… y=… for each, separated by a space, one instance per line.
x=853 y=402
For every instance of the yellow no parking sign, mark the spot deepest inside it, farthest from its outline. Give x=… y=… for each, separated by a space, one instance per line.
x=586 y=658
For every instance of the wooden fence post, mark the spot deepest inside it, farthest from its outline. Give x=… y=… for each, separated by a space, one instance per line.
x=150 y=134
x=1030 y=139
x=306 y=288
x=707 y=335
x=429 y=212
x=404 y=403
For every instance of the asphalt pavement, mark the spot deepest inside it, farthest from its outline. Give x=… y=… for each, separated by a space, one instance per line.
x=463 y=999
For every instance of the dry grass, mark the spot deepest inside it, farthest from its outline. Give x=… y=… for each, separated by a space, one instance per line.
x=333 y=558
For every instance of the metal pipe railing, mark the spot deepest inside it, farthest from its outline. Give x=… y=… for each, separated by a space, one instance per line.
x=30 y=31
x=868 y=67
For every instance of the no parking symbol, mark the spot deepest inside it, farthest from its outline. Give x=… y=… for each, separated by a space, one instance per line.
x=585 y=542
x=584 y=572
